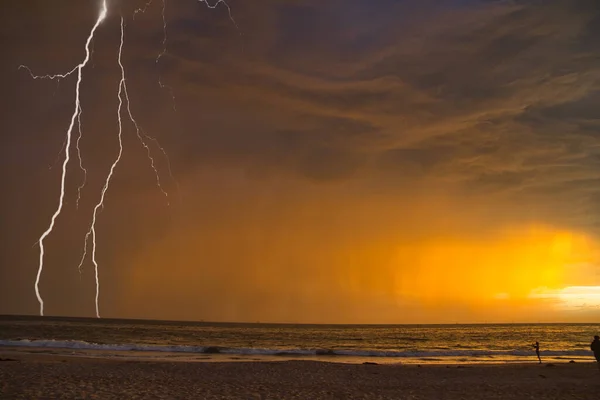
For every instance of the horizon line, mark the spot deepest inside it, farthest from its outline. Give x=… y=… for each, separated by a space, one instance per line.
x=141 y=320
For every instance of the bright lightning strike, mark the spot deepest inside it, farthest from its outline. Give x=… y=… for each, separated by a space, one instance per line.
x=123 y=96
x=79 y=69
x=100 y=203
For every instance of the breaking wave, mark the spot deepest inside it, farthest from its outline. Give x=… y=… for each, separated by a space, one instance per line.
x=83 y=345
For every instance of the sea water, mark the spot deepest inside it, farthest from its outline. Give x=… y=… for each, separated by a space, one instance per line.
x=203 y=341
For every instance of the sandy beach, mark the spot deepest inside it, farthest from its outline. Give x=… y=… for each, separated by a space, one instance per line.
x=51 y=377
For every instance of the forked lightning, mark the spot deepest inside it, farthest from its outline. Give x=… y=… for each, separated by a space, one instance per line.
x=123 y=97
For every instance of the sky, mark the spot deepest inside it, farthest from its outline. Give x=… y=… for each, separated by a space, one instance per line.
x=348 y=161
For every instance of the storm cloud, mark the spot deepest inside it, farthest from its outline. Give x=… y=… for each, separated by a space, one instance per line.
x=321 y=154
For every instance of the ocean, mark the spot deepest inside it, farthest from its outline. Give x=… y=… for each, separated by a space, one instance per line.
x=204 y=341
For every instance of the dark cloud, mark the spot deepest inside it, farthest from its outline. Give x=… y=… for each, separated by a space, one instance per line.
x=344 y=123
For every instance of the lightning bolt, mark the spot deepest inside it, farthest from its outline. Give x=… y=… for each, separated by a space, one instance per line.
x=100 y=203
x=164 y=41
x=123 y=97
x=228 y=10
x=141 y=135
x=142 y=9
x=163 y=53
x=80 y=187
x=79 y=70
x=140 y=132
x=168 y=160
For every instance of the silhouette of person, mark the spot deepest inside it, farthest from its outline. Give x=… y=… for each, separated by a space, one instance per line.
x=595 y=347
x=536 y=346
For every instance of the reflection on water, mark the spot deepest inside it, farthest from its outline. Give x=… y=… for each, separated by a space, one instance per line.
x=194 y=341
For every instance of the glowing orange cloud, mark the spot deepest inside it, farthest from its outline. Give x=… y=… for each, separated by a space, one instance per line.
x=509 y=266
x=293 y=255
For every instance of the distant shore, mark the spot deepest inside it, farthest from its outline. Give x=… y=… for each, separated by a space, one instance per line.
x=34 y=376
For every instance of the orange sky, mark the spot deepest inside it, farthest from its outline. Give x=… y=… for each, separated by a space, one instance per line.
x=286 y=255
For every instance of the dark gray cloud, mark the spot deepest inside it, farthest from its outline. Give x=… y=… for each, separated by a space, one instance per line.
x=400 y=111
x=468 y=66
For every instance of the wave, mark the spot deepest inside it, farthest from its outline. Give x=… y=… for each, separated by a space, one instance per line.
x=422 y=354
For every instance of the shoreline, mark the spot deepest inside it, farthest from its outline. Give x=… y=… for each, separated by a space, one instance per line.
x=31 y=352
x=55 y=376
x=65 y=355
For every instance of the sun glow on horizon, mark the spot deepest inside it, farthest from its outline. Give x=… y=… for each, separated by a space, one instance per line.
x=510 y=266
x=571 y=298
x=312 y=276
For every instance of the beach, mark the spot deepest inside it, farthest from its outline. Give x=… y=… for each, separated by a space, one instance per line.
x=31 y=376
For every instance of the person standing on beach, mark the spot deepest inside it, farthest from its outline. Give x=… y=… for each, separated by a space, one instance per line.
x=536 y=346
x=595 y=347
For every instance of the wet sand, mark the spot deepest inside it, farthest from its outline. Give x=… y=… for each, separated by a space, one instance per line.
x=52 y=377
